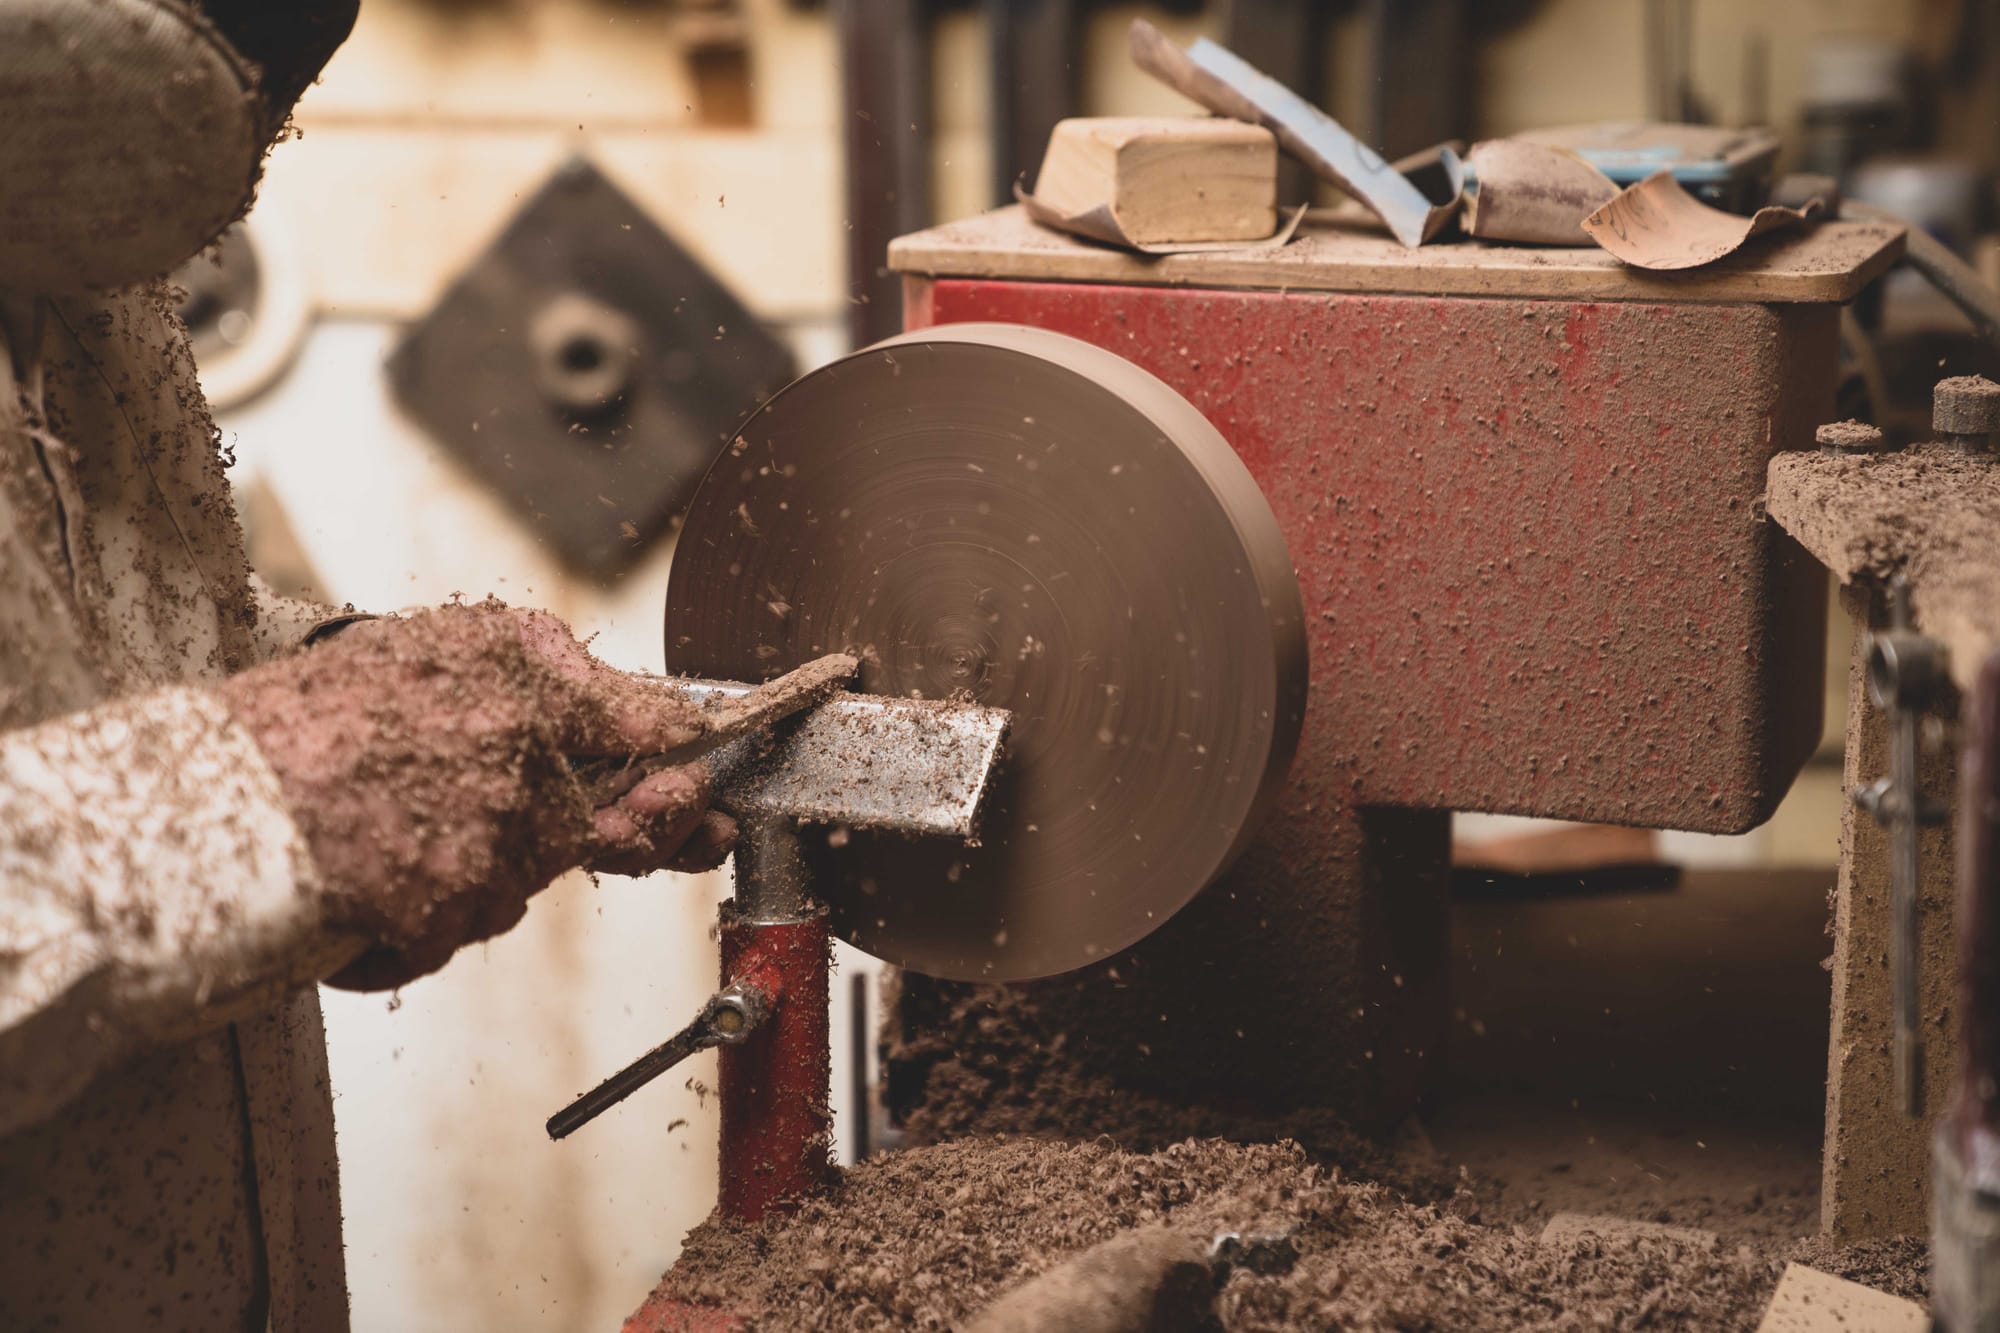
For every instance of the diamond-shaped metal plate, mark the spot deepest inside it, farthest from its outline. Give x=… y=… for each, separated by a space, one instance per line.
x=588 y=369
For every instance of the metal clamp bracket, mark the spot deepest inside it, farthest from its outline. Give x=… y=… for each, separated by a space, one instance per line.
x=1907 y=679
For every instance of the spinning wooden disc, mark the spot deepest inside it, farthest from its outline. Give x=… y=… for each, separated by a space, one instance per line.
x=1015 y=517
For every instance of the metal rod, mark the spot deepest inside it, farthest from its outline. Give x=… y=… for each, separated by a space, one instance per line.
x=1904 y=870
x=1906 y=679
x=626 y=1081
x=772 y=883
x=857 y=1061
x=1978 y=1104
x=1955 y=279
x=730 y=1016
x=1965 y=1156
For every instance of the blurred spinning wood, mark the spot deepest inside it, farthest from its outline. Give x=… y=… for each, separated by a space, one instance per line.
x=1015 y=517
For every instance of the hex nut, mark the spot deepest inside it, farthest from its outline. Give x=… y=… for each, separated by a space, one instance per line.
x=585 y=352
x=1850 y=437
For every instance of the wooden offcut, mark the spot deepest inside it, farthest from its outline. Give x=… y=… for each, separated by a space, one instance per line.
x=1164 y=178
x=1809 y=1301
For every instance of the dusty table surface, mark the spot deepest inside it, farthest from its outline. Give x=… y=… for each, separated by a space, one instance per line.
x=1830 y=262
x=1927 y=512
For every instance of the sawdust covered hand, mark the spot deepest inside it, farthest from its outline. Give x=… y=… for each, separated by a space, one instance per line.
x=427 y=761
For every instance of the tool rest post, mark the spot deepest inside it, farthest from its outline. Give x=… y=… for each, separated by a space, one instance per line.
x=772 y=884
x=776 y=1122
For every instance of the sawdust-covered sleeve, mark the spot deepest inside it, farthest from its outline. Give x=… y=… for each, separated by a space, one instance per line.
x=292 y=624
x=152 y=886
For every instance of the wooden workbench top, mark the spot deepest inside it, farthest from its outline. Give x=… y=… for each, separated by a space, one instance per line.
x=1830 y=262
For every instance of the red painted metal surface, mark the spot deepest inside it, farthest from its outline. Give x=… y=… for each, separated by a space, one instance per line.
x=776 y=1125
x=773 y=1089
x=1536 y=572
x=661 y=1314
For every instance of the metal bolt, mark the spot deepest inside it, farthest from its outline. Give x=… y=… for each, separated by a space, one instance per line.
x=735 y=1012
x=586 y=353
x=1965 y=413
x=1850 y=438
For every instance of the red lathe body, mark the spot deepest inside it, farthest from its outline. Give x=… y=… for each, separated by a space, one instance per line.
x=1522 y=490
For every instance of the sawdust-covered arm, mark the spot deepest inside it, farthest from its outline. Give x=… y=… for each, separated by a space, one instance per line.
x=154 y=887
x=291 y=624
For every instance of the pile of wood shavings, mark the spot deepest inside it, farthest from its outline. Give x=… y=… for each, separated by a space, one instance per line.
x=925 y=1238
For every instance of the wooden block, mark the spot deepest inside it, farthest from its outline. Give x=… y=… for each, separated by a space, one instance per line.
x=1809 y=1301
x=1165 y=178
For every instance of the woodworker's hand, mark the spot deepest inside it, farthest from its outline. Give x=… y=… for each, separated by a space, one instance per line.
x=426 y=759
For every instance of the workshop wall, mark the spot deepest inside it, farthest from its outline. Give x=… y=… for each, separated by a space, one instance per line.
x=1586 y=60
x=428 y=131
x=1561 y=62
x=435 y=121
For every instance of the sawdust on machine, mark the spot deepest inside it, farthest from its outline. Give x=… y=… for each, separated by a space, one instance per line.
x=1899 y=1265
x=927 y=1237
x=987 y=1066
x=978 y=1061
x=1387 y=1236
x=1927 y=512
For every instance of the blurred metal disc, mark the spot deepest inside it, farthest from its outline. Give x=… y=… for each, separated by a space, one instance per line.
x=1014 y=516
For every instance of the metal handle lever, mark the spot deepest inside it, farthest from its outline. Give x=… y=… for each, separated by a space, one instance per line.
x=730 y=1015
